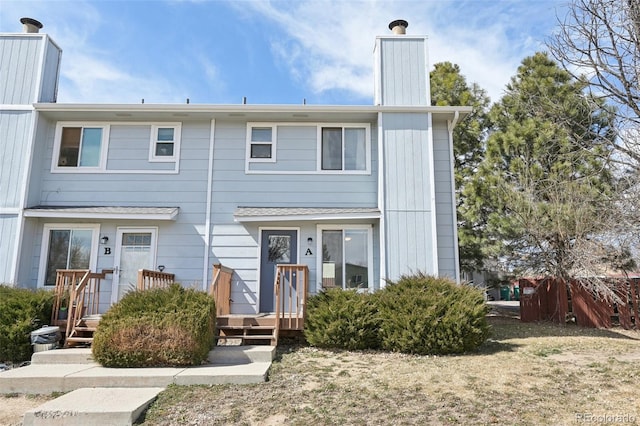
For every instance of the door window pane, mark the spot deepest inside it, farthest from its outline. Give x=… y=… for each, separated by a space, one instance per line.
x=279 y=249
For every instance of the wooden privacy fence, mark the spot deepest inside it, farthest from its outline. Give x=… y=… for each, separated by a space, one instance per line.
x=551 y=299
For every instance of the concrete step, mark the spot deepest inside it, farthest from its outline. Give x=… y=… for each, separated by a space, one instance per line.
x=93 y=406
x=48 y=378
x=219 y=355
x=234 y=355
x=63 y=356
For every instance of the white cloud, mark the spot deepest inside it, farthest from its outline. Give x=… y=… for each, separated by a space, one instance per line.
x=329 y=43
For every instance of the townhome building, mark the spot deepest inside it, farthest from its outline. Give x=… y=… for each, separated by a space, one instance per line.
x=359 y=194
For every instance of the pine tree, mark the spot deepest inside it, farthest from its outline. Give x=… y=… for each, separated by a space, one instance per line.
x=544 y=187
x=449 y=87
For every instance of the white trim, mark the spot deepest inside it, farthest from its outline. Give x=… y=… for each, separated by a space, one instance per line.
x=13 y=211
x=16 y=107
x=450 y=126
x=153 y=140
x=274 y=140
x=343 y=126
x=120 y=230
x=44 y=248
x=225 y=110
x=207 y=219
x=342 y=227
x=432 y=189
x=272 y=228
x=104 y=149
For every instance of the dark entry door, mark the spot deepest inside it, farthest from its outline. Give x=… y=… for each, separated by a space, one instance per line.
x=278 y=246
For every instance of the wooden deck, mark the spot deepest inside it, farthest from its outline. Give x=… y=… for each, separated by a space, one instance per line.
x=77 y=301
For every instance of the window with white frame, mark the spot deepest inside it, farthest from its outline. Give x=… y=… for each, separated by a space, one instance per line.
x=165 y=142
x=67 y=247
x=346 y=257
x=261 y=142
x=344 y=148
x=79 y=146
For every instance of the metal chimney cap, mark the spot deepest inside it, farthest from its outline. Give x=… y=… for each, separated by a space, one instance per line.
x=398 y=26
x=31 y=25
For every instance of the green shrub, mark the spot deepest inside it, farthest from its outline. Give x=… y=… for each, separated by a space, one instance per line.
x=428 y=315
x=155 y=328
x=342 y=319
x=21 y=312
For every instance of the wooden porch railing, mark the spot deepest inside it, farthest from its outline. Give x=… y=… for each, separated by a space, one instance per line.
x=220 y=288
x=79 y=291
x=148 y=279
x=291 y=287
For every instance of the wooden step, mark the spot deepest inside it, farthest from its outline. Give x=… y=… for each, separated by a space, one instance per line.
x=245 y=327
x=85 y=328
x=80 y=339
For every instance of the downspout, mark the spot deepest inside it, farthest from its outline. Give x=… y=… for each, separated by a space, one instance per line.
x=456 y=252
x=207 y=219
x=381 y=203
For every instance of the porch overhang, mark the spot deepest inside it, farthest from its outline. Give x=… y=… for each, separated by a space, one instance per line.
x=103 y=212
x=287 y=214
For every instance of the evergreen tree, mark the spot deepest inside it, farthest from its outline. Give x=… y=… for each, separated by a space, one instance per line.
x=543 y=189
x=449 y=87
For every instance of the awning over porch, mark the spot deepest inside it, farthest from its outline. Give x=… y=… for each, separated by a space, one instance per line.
x=103 y=212
x=275 y=214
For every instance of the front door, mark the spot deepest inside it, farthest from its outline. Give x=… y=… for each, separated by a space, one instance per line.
x=135 y=250
x=278 y=246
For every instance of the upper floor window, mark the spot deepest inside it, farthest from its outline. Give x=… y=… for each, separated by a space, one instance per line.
x=165 y=143
x=80 y=146
x=343 y=148
x=261 y=145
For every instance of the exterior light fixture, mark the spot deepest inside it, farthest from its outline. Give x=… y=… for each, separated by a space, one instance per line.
x=104 y=239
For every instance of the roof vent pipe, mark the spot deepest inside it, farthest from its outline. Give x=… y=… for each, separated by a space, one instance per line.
x=399 y=26
x=30 y=25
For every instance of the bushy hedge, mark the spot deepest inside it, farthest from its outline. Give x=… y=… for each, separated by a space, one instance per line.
x=156 y=328
x=418 y=314
x=21 y=312
x=342 y=319
x=428 y=315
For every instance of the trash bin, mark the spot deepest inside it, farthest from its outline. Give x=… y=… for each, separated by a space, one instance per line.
x=504 y=293
x=516 y=293
x=45 y=338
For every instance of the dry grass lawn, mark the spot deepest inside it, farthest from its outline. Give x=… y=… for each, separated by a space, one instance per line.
x=526 y=374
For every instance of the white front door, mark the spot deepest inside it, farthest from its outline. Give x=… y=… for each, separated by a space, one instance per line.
x=135 y=250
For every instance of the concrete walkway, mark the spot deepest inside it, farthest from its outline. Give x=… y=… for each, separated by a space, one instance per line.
x=105 y=396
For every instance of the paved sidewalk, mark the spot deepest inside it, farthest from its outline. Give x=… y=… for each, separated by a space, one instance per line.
x=117 y=396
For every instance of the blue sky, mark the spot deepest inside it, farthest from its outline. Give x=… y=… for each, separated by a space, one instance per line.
x=272 y=52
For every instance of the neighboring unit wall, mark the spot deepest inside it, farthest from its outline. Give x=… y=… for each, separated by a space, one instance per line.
x=28 y=73
x=408 y=191
x=28 y=69
x=445 y=203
